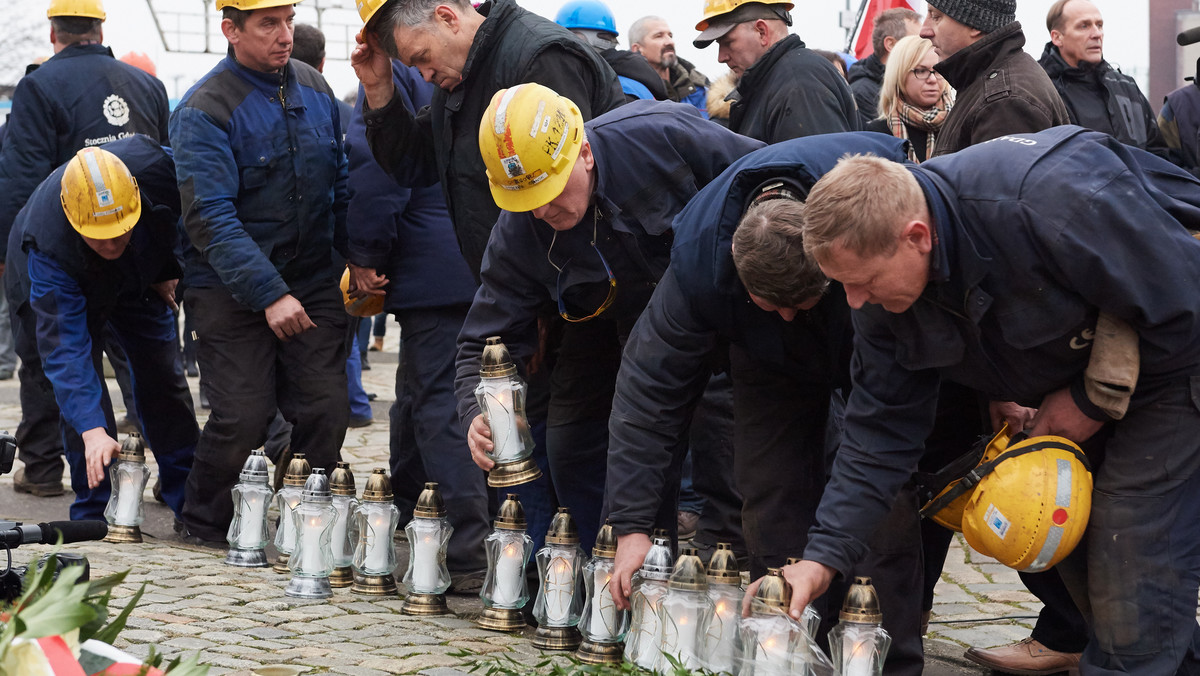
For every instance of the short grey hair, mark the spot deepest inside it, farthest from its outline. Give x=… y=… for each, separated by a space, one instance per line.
x=639 y=30
x=407 y=13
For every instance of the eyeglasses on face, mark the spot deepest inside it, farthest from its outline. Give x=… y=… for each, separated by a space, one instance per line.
x=922 y=73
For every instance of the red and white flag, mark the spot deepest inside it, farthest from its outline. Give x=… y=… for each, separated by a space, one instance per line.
x=862 y=43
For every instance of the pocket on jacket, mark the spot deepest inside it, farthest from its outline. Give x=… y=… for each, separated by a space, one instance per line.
x=1037 y=320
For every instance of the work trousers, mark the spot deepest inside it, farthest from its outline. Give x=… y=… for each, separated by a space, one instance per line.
x=248 y=374
x=39 y=441
x=780 y=469
x=427 y=442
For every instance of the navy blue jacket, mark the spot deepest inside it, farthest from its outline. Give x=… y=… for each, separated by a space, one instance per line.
x=701 y=303
x=651 y=158
x=262 y=181
x=80 y=97
x=404 y=234
x=73 y=290
x=1074 y=224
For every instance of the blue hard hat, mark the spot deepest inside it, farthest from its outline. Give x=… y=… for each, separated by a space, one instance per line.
x=588 y=15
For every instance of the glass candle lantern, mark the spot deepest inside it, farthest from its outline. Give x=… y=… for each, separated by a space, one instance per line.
x=725 y=593
x=684 y=613
x=508 y=548
x=427 y=577
x=341 y=486
x=559 y=601
x=768 y=635
x=858 y=644
x=128 y=476
x=501 y=396
x=375 y=523
x=601 y=624
x=315 y=518
x=247 y=534
x=287 y=500
x=649 y=587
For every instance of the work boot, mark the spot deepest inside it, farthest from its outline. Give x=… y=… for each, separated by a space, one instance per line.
x=48 y=489
x=1028 y=657
x=686 y=523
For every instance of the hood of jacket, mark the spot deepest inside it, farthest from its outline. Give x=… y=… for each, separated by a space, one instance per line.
x=718 y=96
x=964 y=66
x=637 y=68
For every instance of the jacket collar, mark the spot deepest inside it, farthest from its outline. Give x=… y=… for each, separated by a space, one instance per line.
x=870 y=68
x=965 y=66
x=684 y=74
x=71 y=51
x=1056 y=67
x=758 y=72
x=497 y=14
x=956 y=265
x=267 y=83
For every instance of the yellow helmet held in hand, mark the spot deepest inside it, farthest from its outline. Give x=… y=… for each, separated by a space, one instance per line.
x=363 y=306
x=714 y=8
x=99 y=195
x=946 y=509
x=367 y=9
x=249 y=5
x=91 y=9
x=529 y=138
x=1031 y=509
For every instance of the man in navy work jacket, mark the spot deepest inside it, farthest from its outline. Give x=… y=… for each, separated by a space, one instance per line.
x=789 y=349
x=587 y=226
x=262 y=179
x=79 y=98
x=94 y=247
x=995 y=280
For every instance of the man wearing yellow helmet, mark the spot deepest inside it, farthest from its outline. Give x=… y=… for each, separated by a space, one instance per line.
x=81 y=97
x=586 y=226
x=262 y=176
x=95 y=247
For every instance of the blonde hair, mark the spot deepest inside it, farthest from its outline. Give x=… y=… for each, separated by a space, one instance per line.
x=861 y=205
x=905 y=56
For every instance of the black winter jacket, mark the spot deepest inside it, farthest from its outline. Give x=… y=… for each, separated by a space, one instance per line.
x=866 y=77
x=441 y=143
x=1000 y=90
x=1104 y=99
x=791 y=92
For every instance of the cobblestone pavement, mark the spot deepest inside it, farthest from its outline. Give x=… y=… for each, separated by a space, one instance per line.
x=240 y=619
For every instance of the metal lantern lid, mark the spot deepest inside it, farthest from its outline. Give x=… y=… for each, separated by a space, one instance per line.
x=660 y=534
x=341 y=480
x=429 y=503
x=316 y=487
x=133 y=449
x=254 y=470
x=774 y=591
x=512 y=514
x=606 y=542
x=862 y=603
x=688 y=574
x=793 y=559
x=298 y=471
x=495 y=361
x=659 y=561
x=723 y=566
x=562 y=529
x=379 y=487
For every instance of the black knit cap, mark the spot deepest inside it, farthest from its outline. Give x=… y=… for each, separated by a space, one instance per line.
x=982 y=15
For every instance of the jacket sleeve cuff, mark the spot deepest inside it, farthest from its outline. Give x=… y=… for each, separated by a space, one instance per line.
x=827 y=550
x=368 y=257
x=1079 y=395
x=377 y=117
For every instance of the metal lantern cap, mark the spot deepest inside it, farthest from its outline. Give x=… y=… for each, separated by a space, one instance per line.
x=723 y=566
x=341 y=480
x=133 y=449
x=298 y=471
x=862 y=603
x=774 y=591
x=659 y=561
x=379 y=487
x=429 y=503
x=316 y=487
x=688 y=574
x=562 y=529
x=793 y=559
x=512 y=514
x=660 y=533
x=496 y=362
x=254 y=470
x=606 y=542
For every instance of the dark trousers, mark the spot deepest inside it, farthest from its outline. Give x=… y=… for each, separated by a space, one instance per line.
x=39 y=439
x=710 y=440
x=780 y=469
x=248 y=374
x=121 y=372
x=427 y=442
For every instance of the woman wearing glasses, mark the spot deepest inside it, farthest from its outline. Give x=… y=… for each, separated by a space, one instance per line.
x=913 y=99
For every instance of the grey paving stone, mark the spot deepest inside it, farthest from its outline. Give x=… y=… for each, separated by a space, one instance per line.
x=188 y=643
x=269 y=633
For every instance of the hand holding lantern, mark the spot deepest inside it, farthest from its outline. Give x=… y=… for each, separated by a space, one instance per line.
x=501 y=396
x=128 y=476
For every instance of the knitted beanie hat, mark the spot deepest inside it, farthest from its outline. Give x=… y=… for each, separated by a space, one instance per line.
x=982 y=15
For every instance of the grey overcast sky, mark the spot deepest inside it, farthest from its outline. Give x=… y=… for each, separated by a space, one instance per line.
x=131 y=26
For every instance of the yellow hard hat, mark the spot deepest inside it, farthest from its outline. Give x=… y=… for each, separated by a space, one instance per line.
x=1031 y=509
x=249 y=5
x=367 y=8
x=946 y=509
x=529 y=138
x=91 y=9
x=363 y=306
x=714 y=8
x=99 y=195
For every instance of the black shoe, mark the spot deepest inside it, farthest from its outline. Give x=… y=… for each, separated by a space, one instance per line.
x=157 y=490
x=466 y=584
x=356 y=422
x=204 y=400
x=191 y=370
x=371 y=396
x=187 y=538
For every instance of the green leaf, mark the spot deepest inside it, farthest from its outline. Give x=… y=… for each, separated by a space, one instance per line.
x=105 y=584
x=58 y=611
x=109 y=633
